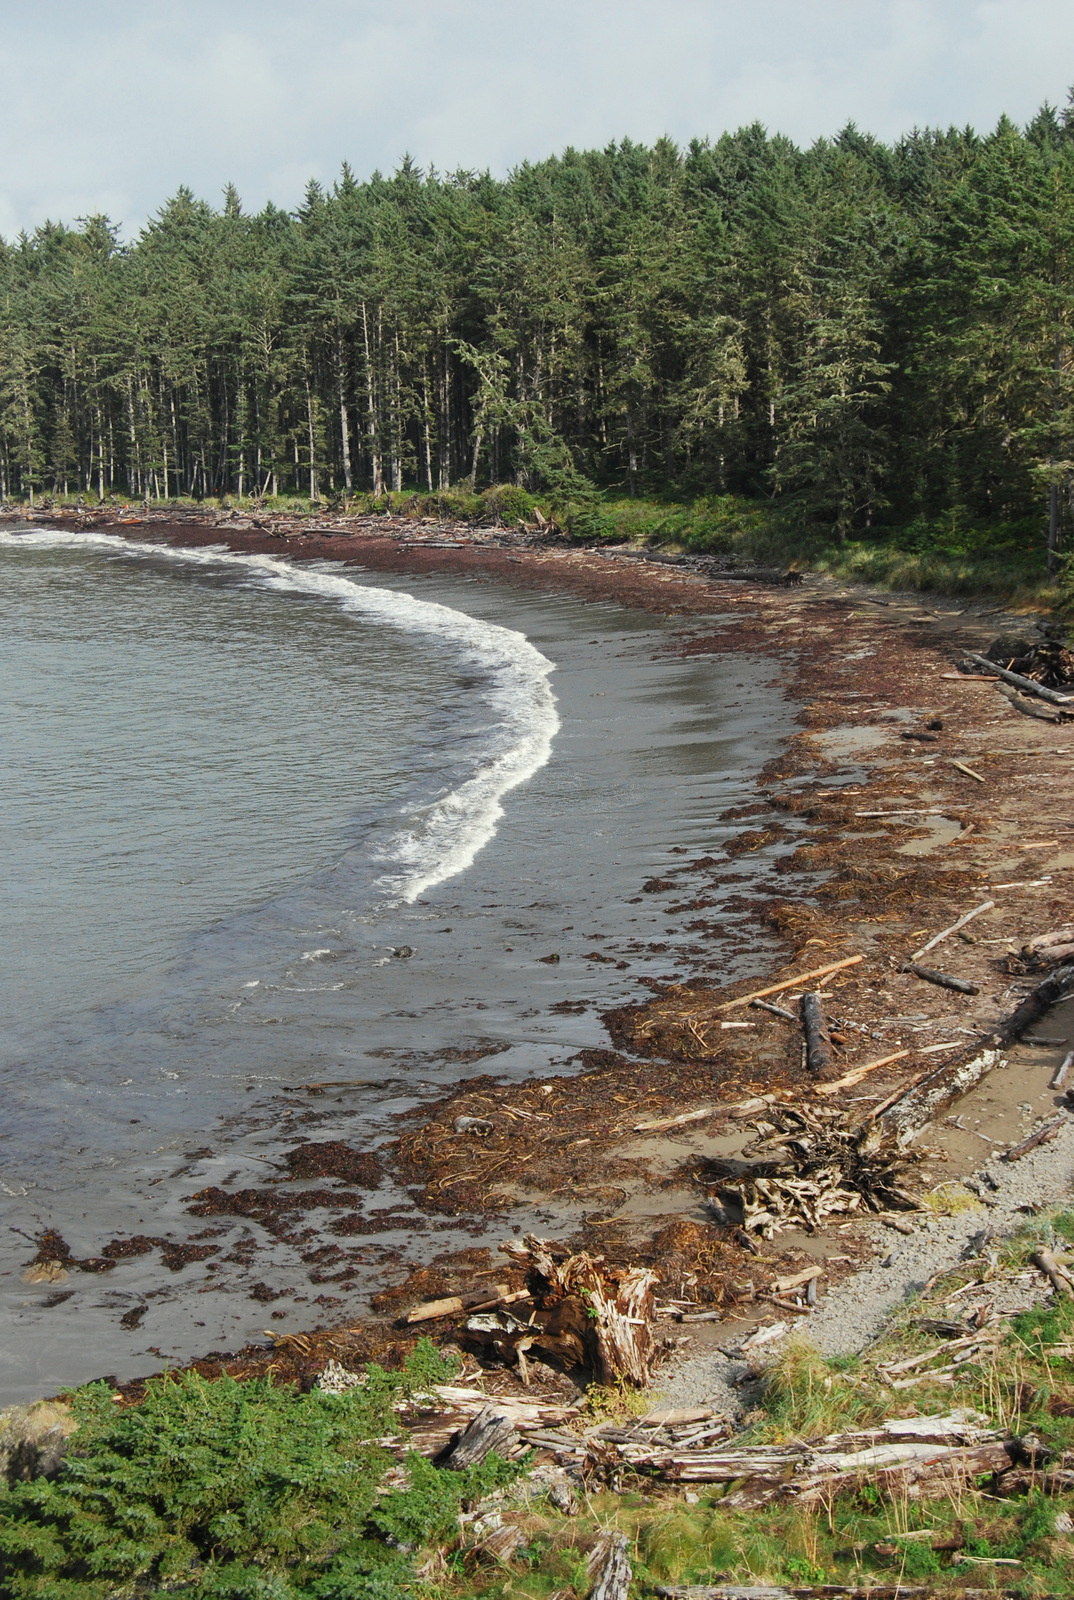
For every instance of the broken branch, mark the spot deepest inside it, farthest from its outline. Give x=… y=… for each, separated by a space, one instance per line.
x=791 y=983
x=989 y=905
x=942 y=979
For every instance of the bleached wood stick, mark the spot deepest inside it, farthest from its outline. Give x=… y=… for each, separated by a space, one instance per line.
x=1030 y=685
x=938 y=938
x=1061 y=1072
x=791 y=983
x=859 y=1073
x=722 y=1107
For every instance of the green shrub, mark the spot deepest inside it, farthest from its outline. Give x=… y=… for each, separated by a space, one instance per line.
x=214 y=1489
x=506 y=502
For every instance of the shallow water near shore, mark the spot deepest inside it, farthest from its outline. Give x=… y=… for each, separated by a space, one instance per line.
x=221 y=825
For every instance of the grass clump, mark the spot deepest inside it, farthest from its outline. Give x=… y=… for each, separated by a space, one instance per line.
x=229 y=1489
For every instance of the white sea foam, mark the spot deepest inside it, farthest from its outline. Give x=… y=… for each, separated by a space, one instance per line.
x=439 y=840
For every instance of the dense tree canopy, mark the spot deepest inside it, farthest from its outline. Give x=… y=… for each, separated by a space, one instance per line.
x=869 y=334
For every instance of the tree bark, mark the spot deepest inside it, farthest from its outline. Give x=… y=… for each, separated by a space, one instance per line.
x=818 y=1045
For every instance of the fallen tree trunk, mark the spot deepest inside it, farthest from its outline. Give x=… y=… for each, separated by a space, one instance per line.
x=818 y=1045
x=1055 y=987
x=610 y=1566
x=815 y=1591
x=926 y=1098
x=1029 y=708
x=943 y=980
x=1030 y=685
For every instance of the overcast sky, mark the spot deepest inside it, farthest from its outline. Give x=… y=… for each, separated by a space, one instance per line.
x=110 y=105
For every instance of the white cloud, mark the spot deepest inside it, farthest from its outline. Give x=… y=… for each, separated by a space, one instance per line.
x=104 y=106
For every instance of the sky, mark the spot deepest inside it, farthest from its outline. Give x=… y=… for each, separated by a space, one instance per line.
x=109 y=105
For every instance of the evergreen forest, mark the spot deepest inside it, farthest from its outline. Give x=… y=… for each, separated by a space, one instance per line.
x=866 y=337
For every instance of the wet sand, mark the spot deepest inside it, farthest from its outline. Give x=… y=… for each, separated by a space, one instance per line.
x=825 y=881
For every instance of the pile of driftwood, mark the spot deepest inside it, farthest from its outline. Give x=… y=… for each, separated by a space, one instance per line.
x=576 y=1309
x=1046 y=950
x=825 y=1591
x=814 y=1163
x=917 y=1458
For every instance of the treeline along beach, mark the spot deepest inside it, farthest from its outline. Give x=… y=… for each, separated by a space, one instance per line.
x=867 y=335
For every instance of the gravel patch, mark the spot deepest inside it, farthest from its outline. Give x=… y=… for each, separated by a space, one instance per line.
x=855 y=1313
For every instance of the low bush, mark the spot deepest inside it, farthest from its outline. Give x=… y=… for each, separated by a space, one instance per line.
x=227 y=1489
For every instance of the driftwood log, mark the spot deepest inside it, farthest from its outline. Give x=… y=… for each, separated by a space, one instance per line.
x=489 y=1431
x=1055 y=987
x=943 y=980
x=821 y=1591
x=1063 y=1069
x=1059 y=1276
x=1030 y=685
x=925 y=1099
x=905 y=1117
x=1048 y=949
x=1042 y=1136
x=609 y=1566
x=1029 y=708
x=818 y=1044
x=586 y=1315
x=498 y=1294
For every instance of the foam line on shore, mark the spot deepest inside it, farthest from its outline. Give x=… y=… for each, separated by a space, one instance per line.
x=439 y=839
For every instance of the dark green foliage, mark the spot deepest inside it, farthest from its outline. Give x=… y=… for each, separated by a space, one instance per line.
x=234 y=1489
x=859 y=354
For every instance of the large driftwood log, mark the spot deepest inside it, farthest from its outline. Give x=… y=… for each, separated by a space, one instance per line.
x=1030 y=685
x=610 y=1566
x=1029 y=708
x=818 y=1044
x=823 y=1591
x=490 y=1430
x=1049 y=949
x=1055 y=987
x=925 y=1099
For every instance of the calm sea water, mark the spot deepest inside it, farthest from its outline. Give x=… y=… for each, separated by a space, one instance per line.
x=234 y=789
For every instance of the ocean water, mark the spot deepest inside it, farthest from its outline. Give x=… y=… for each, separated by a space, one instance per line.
x=236 y=791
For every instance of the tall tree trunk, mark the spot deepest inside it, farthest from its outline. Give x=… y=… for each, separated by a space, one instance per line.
x=396 y=421
x=445 y=423
x=371 y=412
x=309 y=425
x=1055 y=536
x=427 y=443
x=344 y=429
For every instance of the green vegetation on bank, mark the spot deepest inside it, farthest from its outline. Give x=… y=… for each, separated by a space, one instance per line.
x=948 y=555
x=240 y=1490
x=255 y=1492
x=866 y=348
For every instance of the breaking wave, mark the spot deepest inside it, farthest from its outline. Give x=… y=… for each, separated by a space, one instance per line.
x=438 y=839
